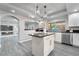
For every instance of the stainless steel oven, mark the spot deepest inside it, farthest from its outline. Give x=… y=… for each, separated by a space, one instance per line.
x=67 y=38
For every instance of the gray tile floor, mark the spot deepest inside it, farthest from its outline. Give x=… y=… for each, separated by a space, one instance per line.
x=25 y=49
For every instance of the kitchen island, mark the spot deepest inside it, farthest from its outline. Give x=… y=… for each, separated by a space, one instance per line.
x=42 y=43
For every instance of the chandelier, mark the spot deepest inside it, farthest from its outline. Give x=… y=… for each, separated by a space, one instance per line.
x=37 y=12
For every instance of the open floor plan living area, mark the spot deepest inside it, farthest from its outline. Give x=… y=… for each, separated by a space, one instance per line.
x=39 y=29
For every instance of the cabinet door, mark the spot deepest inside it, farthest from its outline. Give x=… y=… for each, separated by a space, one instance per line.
x=58 y=37
x=76 y=39
x=74 y=19
x=52 y=42
x=46 y=46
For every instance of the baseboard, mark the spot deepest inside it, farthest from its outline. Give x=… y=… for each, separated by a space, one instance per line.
x=24 y=40
x=57 y=42
x=76 y=46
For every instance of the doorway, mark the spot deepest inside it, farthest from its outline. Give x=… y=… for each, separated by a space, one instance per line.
x=9 y=34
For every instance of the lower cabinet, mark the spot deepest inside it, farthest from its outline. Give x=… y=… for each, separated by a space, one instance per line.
x=76 y=39
x=42 y=46
x=48 y=44
x=52 y=42
x=58 y=37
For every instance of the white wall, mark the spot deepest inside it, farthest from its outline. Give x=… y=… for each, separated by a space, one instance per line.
x=72 y=7
x=66 y=24
x=1 y=12
x=24 y=33
x=21 y=29
x=0 y=33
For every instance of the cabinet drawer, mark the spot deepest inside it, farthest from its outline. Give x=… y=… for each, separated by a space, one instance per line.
x=48 y=37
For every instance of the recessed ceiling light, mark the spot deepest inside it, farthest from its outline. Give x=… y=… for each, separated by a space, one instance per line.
x=13 y=11
x=75 y=10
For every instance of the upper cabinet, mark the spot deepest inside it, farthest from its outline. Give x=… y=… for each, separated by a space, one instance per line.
x=31 y=25
x=73 y=20
x=73 y=14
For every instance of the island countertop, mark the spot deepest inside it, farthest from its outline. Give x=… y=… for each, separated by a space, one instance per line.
x=40 y=35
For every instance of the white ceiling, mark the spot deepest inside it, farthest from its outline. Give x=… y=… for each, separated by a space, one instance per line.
x=71 y=8
x=54 y=10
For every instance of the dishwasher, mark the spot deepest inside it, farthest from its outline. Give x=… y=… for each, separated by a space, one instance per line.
x=67 y=38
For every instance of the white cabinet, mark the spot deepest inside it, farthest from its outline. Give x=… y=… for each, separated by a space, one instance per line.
x=48 y=44
x=52 y=42
x=42 y=46
x=74 y=19
x=76 y=39
x=58 y=37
